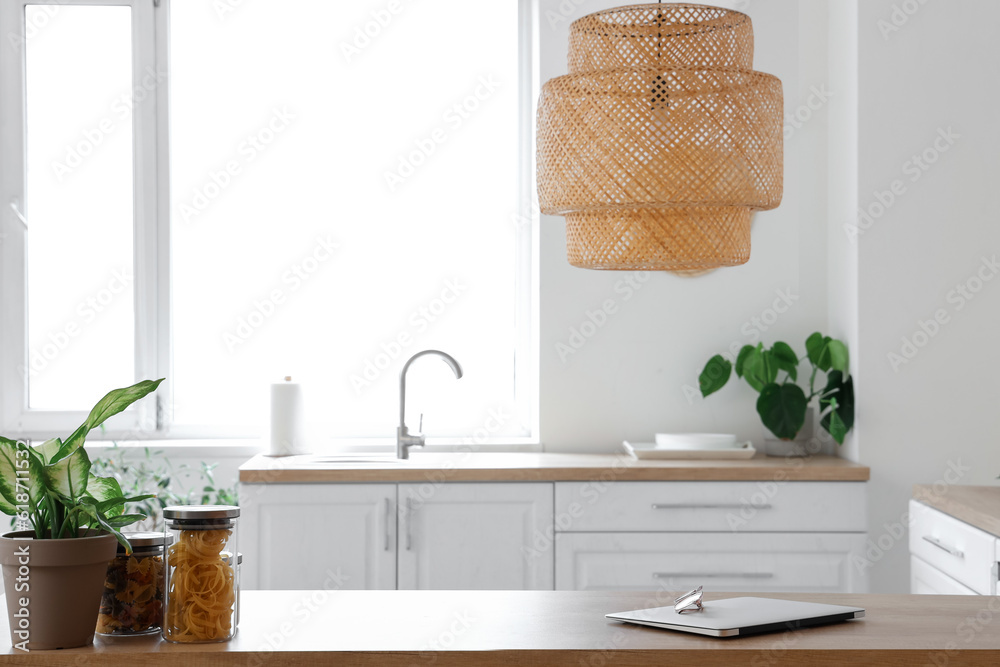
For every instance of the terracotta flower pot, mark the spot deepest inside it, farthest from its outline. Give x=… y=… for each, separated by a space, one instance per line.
x=53 y=587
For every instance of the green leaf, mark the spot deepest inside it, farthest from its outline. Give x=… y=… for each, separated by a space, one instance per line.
x=114 y=401
x=839 y=358
x=786 y=359
x=760 y=369
x=68 y=477
x=837 y=406
x=815 y=347
x=107 y=494
x=835 y=426
x=715 y=375
x=753 y=368
x=123 y=520
x=8 y=476
x=100 y=520
x=48 y=449
x=741 y=358
x=782 y=408
x=37 y=486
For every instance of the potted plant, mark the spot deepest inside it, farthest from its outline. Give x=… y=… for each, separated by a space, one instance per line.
x=54 y=573
x=783 y=404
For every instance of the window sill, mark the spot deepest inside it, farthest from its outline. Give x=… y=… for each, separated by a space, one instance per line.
x=247 y=448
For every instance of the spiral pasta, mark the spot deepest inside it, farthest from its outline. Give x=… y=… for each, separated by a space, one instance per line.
x=202 y=591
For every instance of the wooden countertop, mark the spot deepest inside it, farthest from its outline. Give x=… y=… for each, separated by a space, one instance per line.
x=976 y=505
x=532 y=629
x=520 y=467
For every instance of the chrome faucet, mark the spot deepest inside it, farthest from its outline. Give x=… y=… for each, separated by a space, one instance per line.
x=403 y=438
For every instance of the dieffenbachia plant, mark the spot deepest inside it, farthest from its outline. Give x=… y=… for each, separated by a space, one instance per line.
x=782 y=404
x=51 y=487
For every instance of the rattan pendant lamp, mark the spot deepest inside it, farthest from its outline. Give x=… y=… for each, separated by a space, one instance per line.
x=662 y=141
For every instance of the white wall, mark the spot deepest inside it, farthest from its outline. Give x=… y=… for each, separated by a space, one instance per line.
x=937 y=71
x=627 y=381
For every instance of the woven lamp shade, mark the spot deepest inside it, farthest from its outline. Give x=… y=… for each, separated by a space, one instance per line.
x=661 y=142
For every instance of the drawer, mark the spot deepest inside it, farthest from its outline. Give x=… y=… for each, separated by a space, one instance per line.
x=674 y=562
x=928 y=580
x=711 y=506
x=960 y=551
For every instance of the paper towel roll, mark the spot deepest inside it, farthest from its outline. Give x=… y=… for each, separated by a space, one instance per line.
x=287 y=419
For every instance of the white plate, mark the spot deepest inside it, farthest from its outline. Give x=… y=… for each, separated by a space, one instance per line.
x=649 y=450
x=696 y=440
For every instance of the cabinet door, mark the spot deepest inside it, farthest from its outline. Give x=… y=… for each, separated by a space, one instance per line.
x=475 y=536
x=963 y=552
x=675 y=562
x=318 y=536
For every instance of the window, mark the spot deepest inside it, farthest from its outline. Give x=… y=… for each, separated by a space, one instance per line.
x=299 y=188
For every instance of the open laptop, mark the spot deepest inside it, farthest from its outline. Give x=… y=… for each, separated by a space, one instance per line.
x=738 y=617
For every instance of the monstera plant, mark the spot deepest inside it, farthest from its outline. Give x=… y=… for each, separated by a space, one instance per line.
x=54 y=573
x=774 y=374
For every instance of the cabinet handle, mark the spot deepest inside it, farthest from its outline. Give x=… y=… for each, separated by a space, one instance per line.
x=388 y=517
x=714 y=575
x=409 y=522
x=944 y=547
x=719 y=506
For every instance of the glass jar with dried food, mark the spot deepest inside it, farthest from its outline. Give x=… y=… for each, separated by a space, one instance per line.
x=132 y=603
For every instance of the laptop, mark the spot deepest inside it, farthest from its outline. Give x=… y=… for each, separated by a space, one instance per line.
x=739 y=617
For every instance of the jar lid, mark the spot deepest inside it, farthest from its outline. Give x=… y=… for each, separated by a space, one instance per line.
x=201 y=512
x=145 y=540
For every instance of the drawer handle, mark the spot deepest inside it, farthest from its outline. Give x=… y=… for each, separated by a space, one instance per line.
x=944 y=547
x=388 y=518
x=714 y=575
x=409 y=524
x=720 y=506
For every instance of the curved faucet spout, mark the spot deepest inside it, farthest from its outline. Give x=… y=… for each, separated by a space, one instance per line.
x=403 y=438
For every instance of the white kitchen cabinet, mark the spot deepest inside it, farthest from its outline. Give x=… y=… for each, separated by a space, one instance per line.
x=928 y=580
x=318 y=536
x=808 y=562
x=736 y=536
x=474 y=536
x=625 y=535
x=957 y=550
x=452 y=536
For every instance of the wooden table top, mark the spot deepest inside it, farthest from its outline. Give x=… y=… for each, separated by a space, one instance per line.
x=542 y=467
x=536 y=628
x=975 y=505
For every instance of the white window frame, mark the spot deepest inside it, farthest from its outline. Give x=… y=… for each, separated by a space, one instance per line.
x=16 y=416
x=150 y=420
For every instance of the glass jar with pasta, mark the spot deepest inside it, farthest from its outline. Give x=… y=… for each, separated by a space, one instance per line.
x=132 y=603
x=202 y=575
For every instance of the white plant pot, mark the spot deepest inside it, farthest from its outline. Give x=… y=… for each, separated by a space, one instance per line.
x=806 y=443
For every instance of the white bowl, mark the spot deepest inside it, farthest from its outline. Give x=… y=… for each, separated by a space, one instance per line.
x=696 y=441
